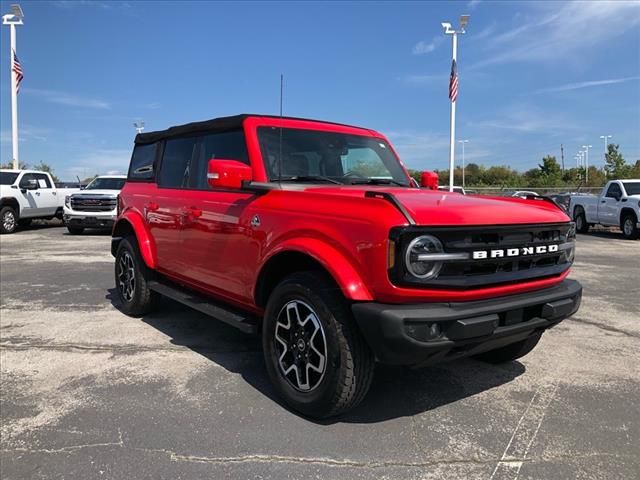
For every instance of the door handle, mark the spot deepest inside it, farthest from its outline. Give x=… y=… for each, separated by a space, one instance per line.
x=54 y=193
x=152 y=206
x=603 y=201
x=38 y=193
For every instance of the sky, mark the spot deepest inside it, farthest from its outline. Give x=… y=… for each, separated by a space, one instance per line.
x=532 y=75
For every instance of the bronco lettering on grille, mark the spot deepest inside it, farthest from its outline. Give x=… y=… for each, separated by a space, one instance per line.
x=514 y=252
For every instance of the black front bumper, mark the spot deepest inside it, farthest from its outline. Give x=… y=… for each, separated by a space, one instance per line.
x=89 y=222
x=420 y=334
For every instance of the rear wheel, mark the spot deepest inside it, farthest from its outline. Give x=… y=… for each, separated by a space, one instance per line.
x=629 y=227
x=510 y=352
x=316 y=358
x=8 y=220
x=132 y=276
x=581 y=220
x=75 y=230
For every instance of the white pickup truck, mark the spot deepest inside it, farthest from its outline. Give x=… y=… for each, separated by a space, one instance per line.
x=618 y=205
x=28 y=195
x=94 y=207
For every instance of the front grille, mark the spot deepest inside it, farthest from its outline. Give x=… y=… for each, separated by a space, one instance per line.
x=476 y=273
x=97 y=203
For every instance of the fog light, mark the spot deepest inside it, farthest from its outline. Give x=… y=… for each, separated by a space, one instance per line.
x=423 y=331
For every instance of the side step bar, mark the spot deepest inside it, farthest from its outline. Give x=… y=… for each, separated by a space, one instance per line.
x=242 y=321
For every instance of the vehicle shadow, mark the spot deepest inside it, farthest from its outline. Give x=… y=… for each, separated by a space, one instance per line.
x=395 y=391
x=606 y=234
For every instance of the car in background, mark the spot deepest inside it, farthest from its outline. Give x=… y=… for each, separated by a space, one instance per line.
x=521 y=194
x=96 y=206
x=444 y=188
x=28 y=195
x=617 y=205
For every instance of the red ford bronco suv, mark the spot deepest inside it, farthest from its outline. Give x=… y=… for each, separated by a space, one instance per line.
x=314 y=234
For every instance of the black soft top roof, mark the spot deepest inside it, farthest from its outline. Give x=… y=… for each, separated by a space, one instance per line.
x=220 y=124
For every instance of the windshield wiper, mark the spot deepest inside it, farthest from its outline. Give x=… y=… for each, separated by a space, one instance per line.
x=309 y=178
x=377 y=181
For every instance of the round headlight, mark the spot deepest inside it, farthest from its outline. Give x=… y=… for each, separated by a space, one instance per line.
x=417 y=257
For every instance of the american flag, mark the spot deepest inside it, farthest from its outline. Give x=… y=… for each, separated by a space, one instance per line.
x=453 y=82
x=17 y=69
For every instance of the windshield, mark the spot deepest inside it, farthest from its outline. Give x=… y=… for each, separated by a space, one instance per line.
x=106 y=183
x=7 y=178
x=310 y=155
x=632 y=188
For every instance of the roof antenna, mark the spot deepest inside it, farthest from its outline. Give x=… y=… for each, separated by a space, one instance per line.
x=280 y=146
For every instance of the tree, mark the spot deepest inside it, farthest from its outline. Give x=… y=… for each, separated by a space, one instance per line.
x=44 y=167
x=615 y=166
x=9 y=165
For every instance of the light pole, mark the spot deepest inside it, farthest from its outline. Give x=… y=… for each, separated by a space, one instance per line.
x=453 y=88
x=139 y=126
x=606 y=139
x=12 y=19
x=463 y=142
x=586 y=164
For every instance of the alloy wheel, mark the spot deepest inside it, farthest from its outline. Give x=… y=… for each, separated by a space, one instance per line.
x=628 y=226
x=300 y=345
x=9 y=221
x=126 y=276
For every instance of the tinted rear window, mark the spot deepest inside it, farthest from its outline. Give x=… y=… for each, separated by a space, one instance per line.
x=176 y=159
x=142 y=162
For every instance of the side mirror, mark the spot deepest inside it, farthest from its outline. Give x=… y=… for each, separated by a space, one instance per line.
x=429 y=180
x=228 y=173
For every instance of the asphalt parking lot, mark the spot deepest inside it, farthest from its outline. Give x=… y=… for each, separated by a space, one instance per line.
x=87 y=392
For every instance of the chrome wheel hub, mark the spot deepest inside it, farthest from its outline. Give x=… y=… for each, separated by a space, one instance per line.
x=300 y=345
x=126 y=276
x=9 y=221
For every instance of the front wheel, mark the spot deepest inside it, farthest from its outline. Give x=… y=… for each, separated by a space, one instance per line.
x=8 y=220
x=316 y=358
x=510 y=352
x=630 y=227
x=581 y=221
x=132 y=276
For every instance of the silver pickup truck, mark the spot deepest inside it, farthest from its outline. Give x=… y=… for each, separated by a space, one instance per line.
x=618 y=205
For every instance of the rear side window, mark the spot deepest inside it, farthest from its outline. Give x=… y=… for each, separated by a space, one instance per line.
x=224 y=145
x=176 y=160
x=43 y=180
x=142 y=162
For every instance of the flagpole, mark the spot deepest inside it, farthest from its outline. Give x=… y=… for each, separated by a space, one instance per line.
x=12 y=19
x=453 y=96
x=14 y=101
x=452 y=139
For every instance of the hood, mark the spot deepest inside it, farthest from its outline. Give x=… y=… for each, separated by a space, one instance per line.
x=90 y=193
x=431 y=207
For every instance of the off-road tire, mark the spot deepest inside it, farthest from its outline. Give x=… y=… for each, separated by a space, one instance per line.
x=142 y=300
x=629 y=227
x=8 y=220
x=349 y=364
x=75 y=230
x=510 y=352
x=581 y=220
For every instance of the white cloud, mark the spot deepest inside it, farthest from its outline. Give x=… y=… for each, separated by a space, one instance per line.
x=25 y=132
x=525 y=118
x=473 y=4
x=484 y=33
x=69 y=99
x=588 y=84
x=99 y=161
x=423 y=47
x=554 y=32
x=420 y=149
